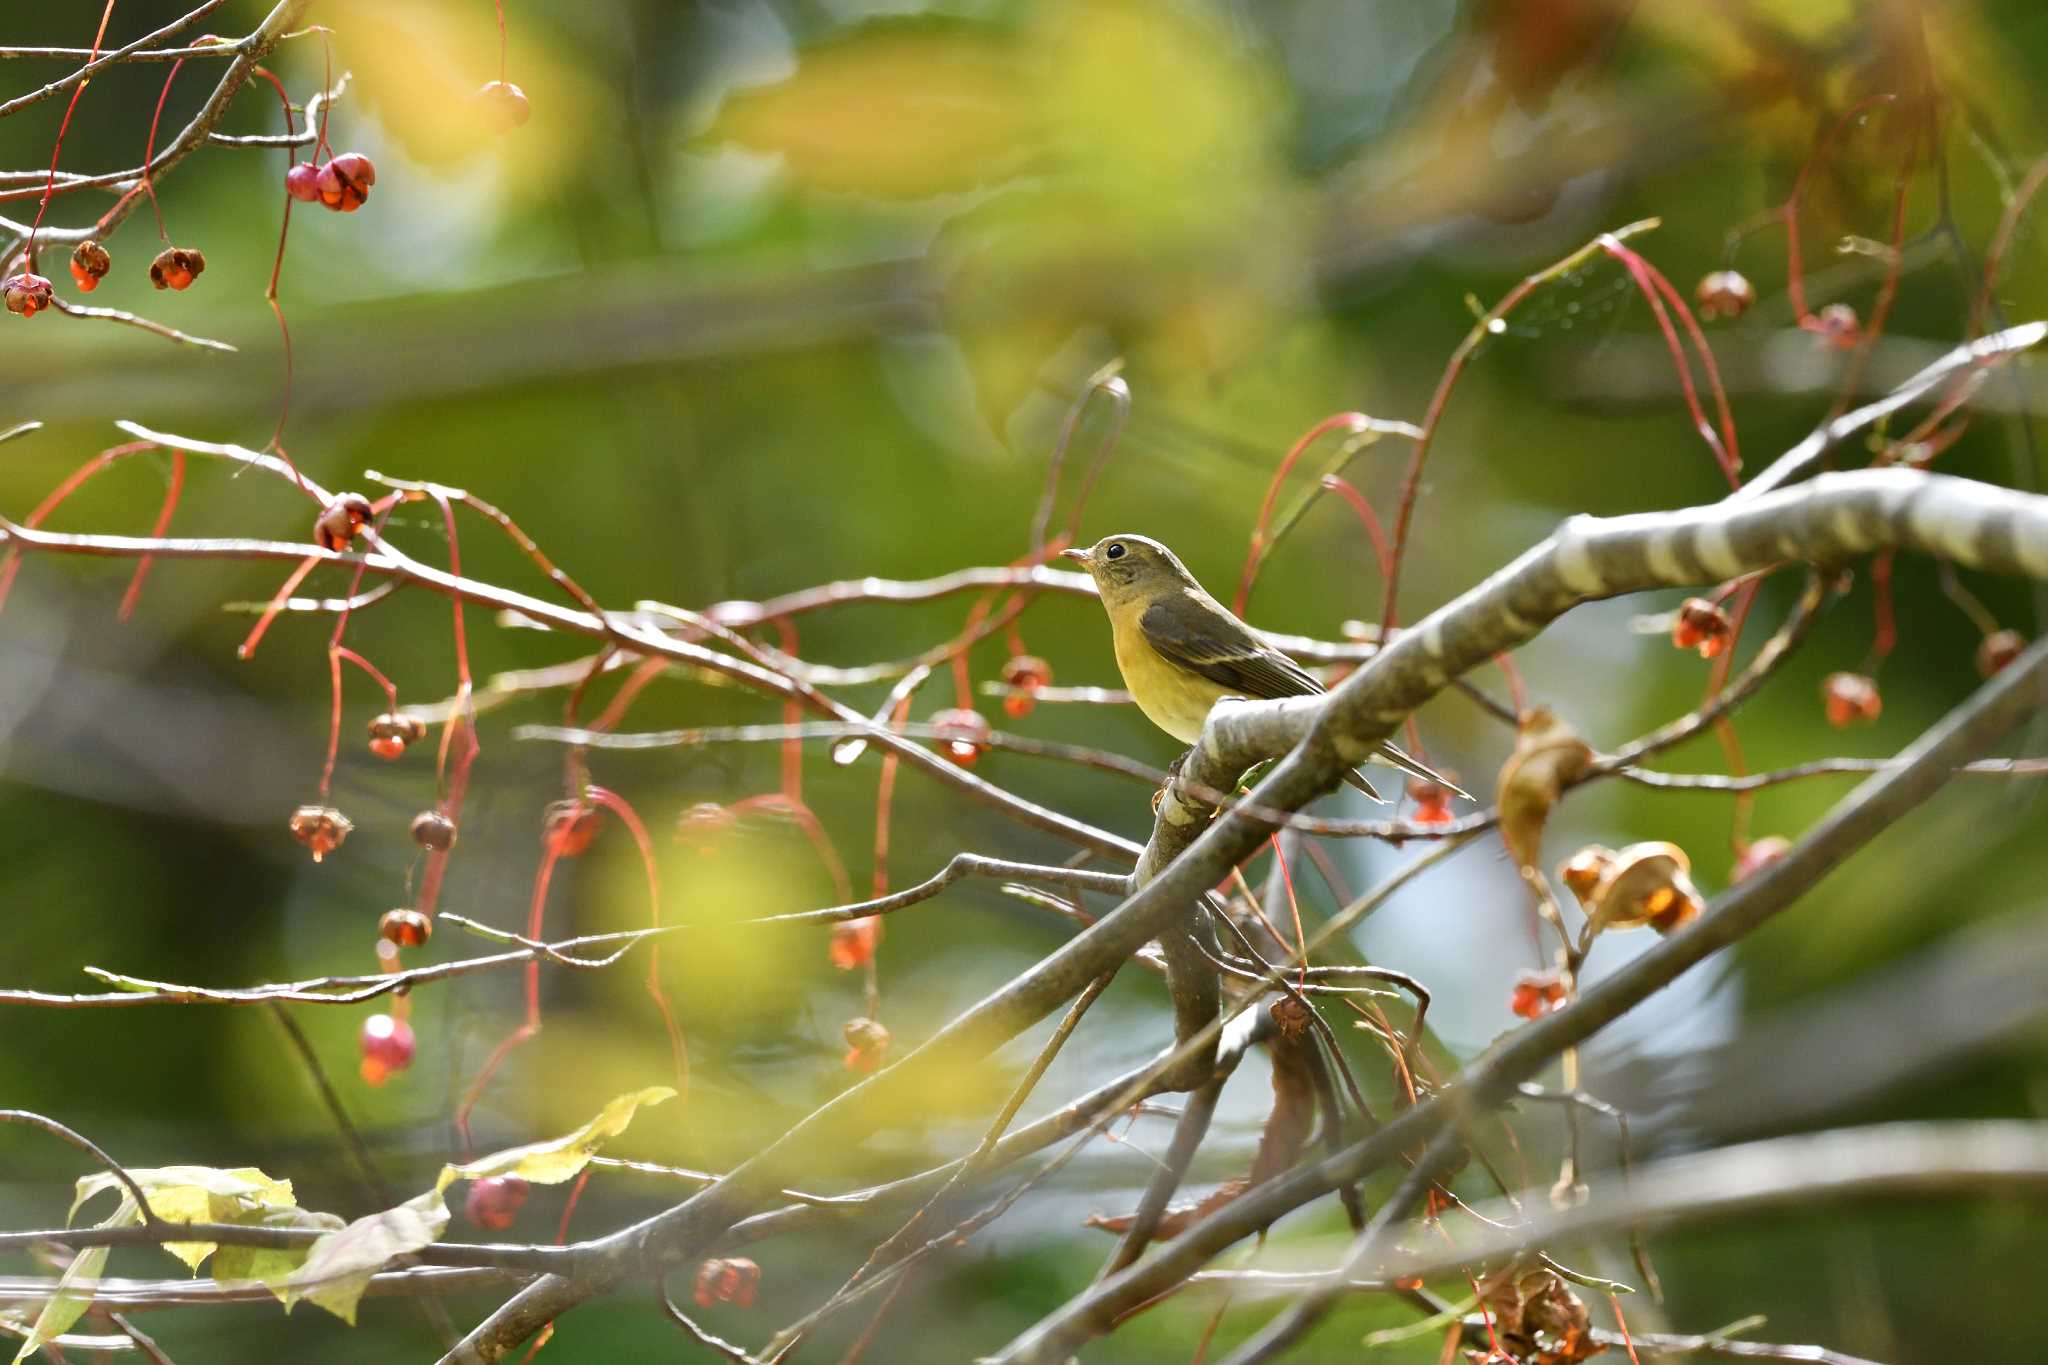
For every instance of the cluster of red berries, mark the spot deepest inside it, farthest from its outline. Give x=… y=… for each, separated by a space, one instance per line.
x=1536 y=994
x=1703 y=626
x=1850 y=698
x=340 y=183
x=1432 y=802
x=963 y=733
x=1025 y=675
x=854 y=941
x=729 y=1279
x=386 y=1043
x=494 y=1202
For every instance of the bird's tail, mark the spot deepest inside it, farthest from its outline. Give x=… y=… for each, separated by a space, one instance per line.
x=1393 y=756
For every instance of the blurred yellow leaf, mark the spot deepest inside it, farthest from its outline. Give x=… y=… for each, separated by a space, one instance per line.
x=562 y=1158
x=895 y=110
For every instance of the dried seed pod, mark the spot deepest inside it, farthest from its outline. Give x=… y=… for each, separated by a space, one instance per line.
x=867 y=1044
x=392 y=731
x=729 y=1279
x=320 y=828
x=433 y=831
x=1647 y=883
x=567 y=827
x=405 y=928
x=1583 y=870
x=340 y=520
x=1703 y=626
x=27 y=293
x=1026 y=674
x=1850 y=698
x=1724 y=294
x=704 y=826
x=1837 y=326
x=963 y=732
x=89 y=265
x=175 y=267
x=2000 y=648
x=344 y=182
x=1432 y=802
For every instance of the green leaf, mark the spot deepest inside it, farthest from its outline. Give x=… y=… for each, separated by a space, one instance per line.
x=562 y=1158
x=74 y=1291
x=271 y=1265
x=338 y=1267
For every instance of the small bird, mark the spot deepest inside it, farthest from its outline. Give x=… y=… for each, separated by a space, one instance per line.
x=1181 y=652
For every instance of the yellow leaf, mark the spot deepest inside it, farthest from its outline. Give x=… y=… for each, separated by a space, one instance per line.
x=194 y=1194
x=898 y=110
x=338 y=1267
x=562 y=1158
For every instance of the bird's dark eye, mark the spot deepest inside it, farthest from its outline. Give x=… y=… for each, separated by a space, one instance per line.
x=1115 y=550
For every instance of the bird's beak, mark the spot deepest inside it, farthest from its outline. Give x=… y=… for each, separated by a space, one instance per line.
x=1075 y=553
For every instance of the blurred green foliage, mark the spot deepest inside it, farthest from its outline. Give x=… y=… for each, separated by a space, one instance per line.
x=776 y=292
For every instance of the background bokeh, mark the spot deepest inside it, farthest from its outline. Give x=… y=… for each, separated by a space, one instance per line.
x=776 y=292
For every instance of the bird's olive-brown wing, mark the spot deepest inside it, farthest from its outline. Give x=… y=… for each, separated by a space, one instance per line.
x=1203 y=638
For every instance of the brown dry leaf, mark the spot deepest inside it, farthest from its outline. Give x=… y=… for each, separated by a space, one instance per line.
x=1548 y=755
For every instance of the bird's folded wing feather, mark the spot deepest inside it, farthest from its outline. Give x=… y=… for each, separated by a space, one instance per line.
x=1200 y=636
x=1208 y=641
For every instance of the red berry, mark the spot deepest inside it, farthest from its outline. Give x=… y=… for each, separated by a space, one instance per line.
x=320 y=828
x=434 y=831
x=854 y=940
x=494 y=1202
x=1850 y=698
x=405 y=928
x=568 y=827
x=1724 y=294
x=387 y=1046
x=1701 y=625
x=27 y=293
x=89 y=265
x=2000 y=648
x=175 y=267
x=1759 y=854
x=732 y=1279
x=344 y=182
x=1536 y=994
x=704 y=825
x=302 y=182
x=964 y=734
x=505 y=105
x=336 y=526
x=1025 y=675
x=1837 y=326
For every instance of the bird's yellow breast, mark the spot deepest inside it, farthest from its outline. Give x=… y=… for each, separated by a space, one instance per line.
x=1172 y=698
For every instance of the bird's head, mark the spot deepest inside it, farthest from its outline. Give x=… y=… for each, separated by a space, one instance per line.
x=1128 y=567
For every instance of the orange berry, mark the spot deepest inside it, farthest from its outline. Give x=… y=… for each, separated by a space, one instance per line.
x=1850 y=698
x=1724 y=294
x=320 y=828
